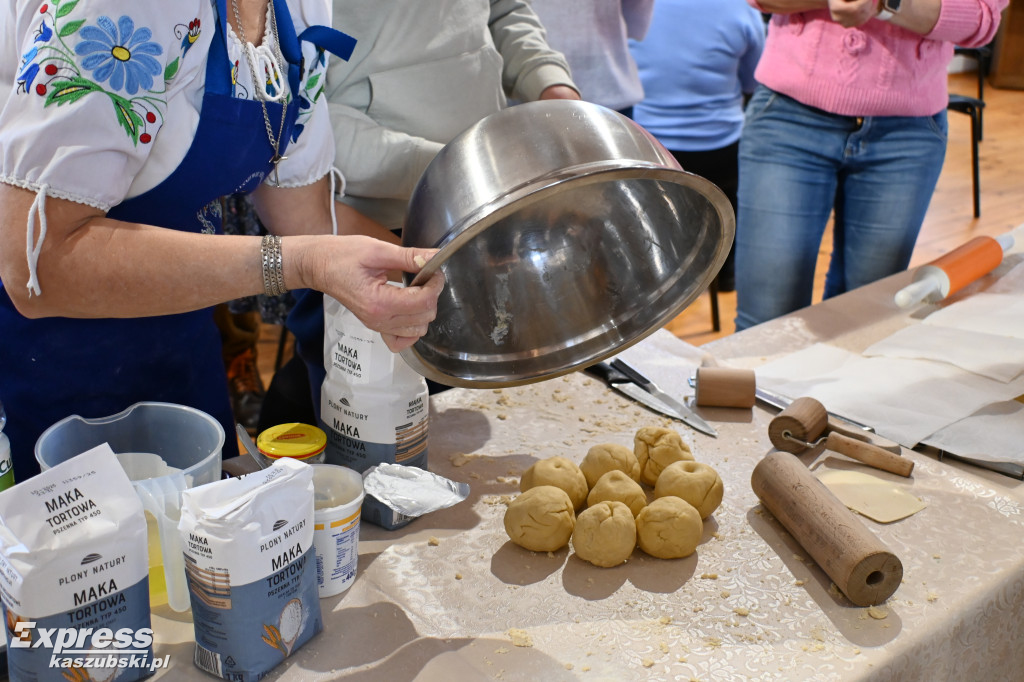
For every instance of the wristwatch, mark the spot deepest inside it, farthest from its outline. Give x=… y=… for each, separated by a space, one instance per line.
x=887 y=8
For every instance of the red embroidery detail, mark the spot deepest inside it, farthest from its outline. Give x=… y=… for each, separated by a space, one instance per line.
x=150 y=117
x=144 y=138
x=50 y=69
x=40 y=89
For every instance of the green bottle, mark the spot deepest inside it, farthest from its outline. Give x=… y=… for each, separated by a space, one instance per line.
x=6 y=465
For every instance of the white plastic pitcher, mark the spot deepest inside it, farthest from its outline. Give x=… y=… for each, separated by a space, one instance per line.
x=164 y=448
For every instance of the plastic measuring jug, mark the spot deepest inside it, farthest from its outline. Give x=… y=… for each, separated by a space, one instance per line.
x=164 y=448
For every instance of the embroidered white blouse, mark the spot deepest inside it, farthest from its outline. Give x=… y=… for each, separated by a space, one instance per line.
x=100 y=100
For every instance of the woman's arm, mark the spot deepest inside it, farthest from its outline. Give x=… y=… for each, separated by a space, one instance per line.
x=92 y=266
x=788 y=6
x=918 y=16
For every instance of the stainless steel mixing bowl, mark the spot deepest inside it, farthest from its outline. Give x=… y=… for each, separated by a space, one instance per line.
x=566 y=233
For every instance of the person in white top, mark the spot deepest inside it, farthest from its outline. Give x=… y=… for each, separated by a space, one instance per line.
x=121 y=126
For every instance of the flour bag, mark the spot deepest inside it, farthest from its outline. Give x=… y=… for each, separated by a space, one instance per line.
x=74 y=574
x=373 y=407
x=251 y=568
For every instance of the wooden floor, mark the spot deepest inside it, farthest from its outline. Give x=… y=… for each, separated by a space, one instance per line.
x=949 y=222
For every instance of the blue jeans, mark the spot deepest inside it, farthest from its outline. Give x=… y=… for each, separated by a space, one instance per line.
x=797 y=165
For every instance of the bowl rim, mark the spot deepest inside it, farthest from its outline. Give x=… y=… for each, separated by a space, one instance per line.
x=540 y=188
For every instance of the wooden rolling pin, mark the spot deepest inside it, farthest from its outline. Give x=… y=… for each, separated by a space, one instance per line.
x=725 y=387
x=857 y=562
x=800 y=427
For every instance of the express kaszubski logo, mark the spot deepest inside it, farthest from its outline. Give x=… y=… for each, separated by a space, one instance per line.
x=86 y=648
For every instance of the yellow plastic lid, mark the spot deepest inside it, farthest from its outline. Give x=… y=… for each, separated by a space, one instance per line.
x=296 y=440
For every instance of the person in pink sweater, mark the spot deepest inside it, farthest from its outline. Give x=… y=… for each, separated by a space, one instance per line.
x=849 y=120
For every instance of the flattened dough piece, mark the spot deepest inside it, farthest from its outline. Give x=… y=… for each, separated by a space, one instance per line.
x=869 y=495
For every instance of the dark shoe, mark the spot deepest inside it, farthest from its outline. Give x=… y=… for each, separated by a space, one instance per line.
x=247 y=390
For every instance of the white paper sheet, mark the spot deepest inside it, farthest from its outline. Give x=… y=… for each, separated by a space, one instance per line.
x=996 y=357
x=903 y=399
x=994 y=433
x=1000 y=314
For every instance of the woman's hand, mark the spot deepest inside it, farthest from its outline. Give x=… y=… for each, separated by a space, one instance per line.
x=852 y=13
x=354 y=270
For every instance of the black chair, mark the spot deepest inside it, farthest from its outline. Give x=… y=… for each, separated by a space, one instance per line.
x=983 y=56
x=973 y=108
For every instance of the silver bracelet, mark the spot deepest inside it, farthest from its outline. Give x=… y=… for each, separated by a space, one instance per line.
x=273 y=265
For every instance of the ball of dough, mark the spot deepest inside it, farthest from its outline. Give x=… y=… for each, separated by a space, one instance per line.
x=694 y=482
x=605 y=534
x=561 y=473
x=669 y=528
x=655 y=448
x=616 y=486
x=607 y=457
x=541 y=519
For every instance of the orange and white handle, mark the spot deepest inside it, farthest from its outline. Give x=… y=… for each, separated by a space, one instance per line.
x=955 y=270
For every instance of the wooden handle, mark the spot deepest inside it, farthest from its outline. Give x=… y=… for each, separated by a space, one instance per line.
x=857 y=562
x=805 y=420
x=725 y=387
x=867 y=436
x=869 y=454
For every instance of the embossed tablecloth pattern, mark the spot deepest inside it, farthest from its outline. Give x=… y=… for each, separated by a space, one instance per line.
x=437 y=599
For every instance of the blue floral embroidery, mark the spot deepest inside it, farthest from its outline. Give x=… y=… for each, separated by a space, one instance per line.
x=117 y=54
x=120 y=53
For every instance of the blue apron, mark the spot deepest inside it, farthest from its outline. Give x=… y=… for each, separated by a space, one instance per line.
x=51 y=368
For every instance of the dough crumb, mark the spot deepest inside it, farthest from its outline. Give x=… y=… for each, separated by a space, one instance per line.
x=725 y=594
x=647 y=663
x=568 y=666
x=663 y=647
x=501 y=650
x=419 y=260
x=709 y=576
x=665 y=620
x=681 y=659
x=458 y=576
x=460 y=459
x=433 y=542
x=520 y=637
x=877 y=613
x=741 y=611
x=932 y=596
x=698 y=608
x=713 y=641
x=585 y=668
x=502 y=416
x=799 y=583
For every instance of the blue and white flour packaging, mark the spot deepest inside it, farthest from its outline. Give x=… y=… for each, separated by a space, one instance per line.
x=74 y=574
x=251 y=568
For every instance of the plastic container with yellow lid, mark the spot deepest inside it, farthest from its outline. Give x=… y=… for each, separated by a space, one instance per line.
x=302 y=442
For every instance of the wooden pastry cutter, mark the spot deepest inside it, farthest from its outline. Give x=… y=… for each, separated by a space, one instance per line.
x=805 y=425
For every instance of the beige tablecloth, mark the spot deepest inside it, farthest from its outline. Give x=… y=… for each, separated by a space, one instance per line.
x=450 y=598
